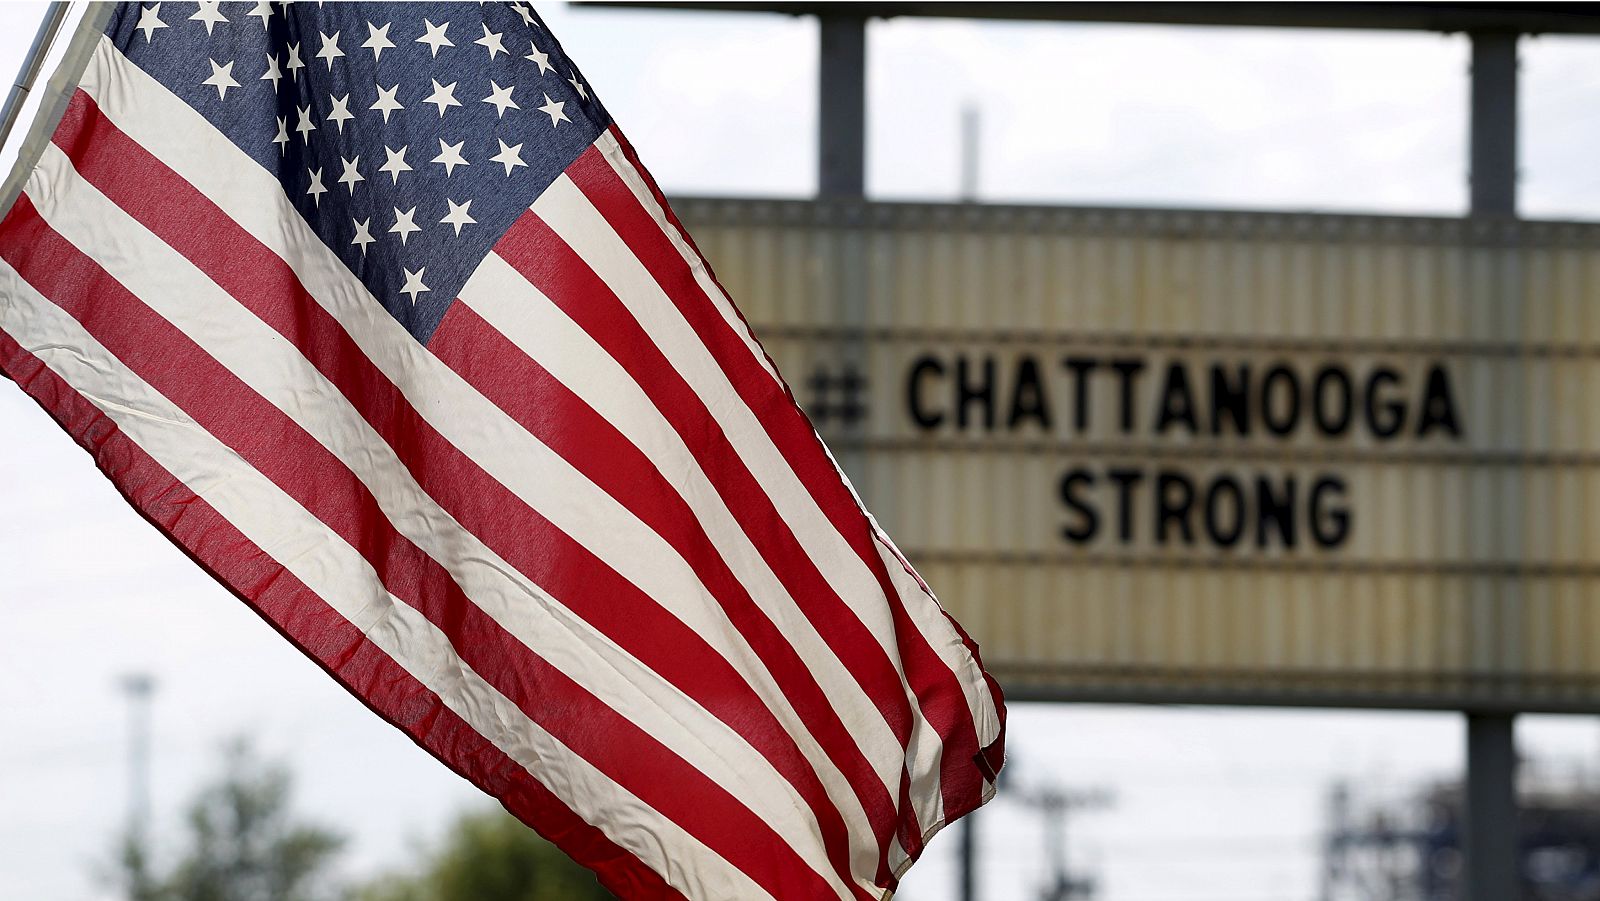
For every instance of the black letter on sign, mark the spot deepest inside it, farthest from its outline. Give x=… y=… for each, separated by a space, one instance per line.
x=1173 y=509
x=1438 y=407
x=1080 y=367
x=1390 y=425
x=1230 y=536
x=926 y=364
x=1027 y=398
x=983 y=392
x=1177 y=404
x=1089 y=518
x=1330 y=530
x=1129 y=371
x=1280 y=375
x=1330 y=393
x=1127 y=480
x=1232 y=399
x=1275 y=508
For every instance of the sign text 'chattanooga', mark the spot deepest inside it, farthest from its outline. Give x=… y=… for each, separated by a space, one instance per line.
x=1125 y=397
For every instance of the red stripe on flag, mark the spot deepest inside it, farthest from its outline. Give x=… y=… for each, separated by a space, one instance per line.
x=537 y=253
x=260 y=281
x=938 y=689
x=551 y=412
x=541 y=256
x=320 y=633
x=266 y=439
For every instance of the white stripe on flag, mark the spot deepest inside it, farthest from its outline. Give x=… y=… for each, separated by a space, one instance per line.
x=270 y=365
x=611 y=150
x=337 y=573
x=920 y=605
x=528 y=319
x=172 y=131
x=570 y=215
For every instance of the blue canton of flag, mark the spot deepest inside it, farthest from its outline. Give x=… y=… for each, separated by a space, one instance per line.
x=409 y=135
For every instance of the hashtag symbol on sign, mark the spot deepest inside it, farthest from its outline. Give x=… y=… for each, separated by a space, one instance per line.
x=836 y=398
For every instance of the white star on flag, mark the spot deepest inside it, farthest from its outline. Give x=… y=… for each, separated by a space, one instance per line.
x=209 y=14
x=378 y=39
x=221 y=78
x=274 y=74
x=450 y=156
x=263 y=11
x=414 y=285
x=554 y=108
x=491 y=42
x=540 y=58
x=150 y=20
x=435 y=38
x=386 y=102
x=443 y=96
x=316 y=190
x=341 y=111
x=330 y=49
x=351 y=174
x=396 y=163
x=458 y=215
x=501 y=98
x=404 y=223
x=363 y=234
x=305 y=126
x=510 y=157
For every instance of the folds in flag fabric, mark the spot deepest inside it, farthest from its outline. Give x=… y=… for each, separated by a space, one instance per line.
x=373 y=310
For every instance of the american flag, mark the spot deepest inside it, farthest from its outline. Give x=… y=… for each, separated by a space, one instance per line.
x=375 y=313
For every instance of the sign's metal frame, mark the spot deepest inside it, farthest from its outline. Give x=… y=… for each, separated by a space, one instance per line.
x=811 y=240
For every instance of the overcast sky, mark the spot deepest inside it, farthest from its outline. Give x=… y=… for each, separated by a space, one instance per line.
x=1209 y=804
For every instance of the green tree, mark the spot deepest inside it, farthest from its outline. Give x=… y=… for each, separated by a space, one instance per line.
x=242 y=844
x=491 y=856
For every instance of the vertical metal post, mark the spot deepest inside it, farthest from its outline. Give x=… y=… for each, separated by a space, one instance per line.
x=969 y=857
x=842 y=105
x=842 y=175
x=1490 y=840
x=1493 y=141
x=970 y=143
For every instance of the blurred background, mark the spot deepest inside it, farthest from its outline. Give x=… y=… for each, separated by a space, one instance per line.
x=1249 y=692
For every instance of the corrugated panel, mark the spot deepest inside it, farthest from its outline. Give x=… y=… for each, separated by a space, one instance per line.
x=1360 y=455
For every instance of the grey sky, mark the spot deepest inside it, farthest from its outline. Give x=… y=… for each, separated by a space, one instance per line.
x=1209 y=803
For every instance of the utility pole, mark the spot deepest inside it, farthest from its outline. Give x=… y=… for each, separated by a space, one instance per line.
x=139 y=688
x=969 y=857
x=1054 y=804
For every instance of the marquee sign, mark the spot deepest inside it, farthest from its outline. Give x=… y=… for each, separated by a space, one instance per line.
x=1211 y=457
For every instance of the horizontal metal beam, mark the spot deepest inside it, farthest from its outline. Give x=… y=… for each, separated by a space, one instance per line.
x=1321 y=699
x=1209 y=224
x=1527 y=18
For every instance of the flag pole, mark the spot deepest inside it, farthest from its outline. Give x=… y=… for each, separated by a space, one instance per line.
x=31 y=64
